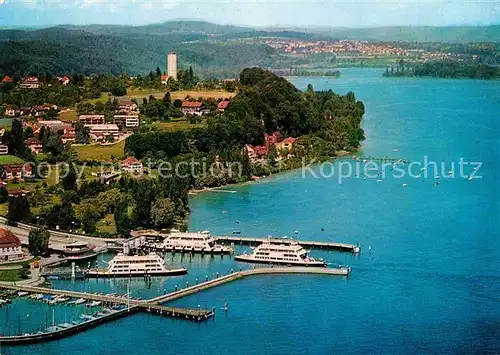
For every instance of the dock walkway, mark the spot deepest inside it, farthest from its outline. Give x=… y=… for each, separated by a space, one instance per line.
x=154 y=305
x=353 y=248
x=245 y=273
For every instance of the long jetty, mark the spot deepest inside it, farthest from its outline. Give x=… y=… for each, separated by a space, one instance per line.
x=353 y=248
x=154 y=305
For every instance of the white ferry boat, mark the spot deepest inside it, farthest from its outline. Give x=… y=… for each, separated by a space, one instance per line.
x=136 y=265
x=288 y=254
x=200 y=242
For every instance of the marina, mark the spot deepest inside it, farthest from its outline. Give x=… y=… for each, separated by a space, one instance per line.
x=123 y=306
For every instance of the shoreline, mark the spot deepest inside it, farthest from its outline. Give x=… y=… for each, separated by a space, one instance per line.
x=196 y=192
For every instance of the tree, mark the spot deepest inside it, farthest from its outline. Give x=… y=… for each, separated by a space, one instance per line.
x=69 y=180
x=53 y=144
x=82 y=134
x=15 y=139
x=167 y=100
x=177 y=103
x=38 y=242
x=162 y=213
x=61 y=215
x=25 y=271
x=118 y=90
x=122 y=219
x=4 y=194
x=88 y=223
x=144 y=195
x=19 y=208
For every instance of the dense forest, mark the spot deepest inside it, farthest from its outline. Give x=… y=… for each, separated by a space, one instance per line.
x=69 y=51
x=445 y=69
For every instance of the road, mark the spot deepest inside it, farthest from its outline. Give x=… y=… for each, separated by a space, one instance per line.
x=58 y=239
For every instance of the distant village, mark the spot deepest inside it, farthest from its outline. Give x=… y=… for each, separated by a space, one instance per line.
x=363 y=48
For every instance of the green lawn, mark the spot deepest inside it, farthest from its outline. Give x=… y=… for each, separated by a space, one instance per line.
x=70 y=115
x=135 y=93
x=98 y=152
x=10 y=159
x=4 y=208
x=177 y=125
x=104 y=98
x=10 y=275
x=107 y=225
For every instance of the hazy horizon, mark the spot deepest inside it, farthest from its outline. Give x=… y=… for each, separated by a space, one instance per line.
x=254 y=13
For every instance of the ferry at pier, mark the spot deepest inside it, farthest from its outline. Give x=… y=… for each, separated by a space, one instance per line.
x=291 y=254
x=136 y=265
x=200 y=242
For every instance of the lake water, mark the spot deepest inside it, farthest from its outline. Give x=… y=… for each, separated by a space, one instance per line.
x=430 y=284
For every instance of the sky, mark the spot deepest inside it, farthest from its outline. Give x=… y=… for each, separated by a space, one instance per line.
x=254 y=13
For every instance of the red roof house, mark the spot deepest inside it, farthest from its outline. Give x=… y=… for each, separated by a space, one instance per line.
x=17 y=171
x=7 y=79
x=10 y=246
x=131 y=164
x=34 y=145
x=222 y=105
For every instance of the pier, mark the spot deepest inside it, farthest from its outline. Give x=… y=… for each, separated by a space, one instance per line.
x=152 y=306
x=376 y=159
x=136 y=242
x=353 y=248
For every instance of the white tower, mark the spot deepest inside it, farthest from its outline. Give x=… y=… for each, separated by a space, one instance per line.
x=172 y=65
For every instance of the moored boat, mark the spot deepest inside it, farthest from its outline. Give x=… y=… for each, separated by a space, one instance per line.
x=199 y=242
x=291 y=254
x=136 y=266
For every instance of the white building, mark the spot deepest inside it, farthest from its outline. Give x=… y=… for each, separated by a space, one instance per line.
x=100 y=131
x=132 y=165
x=127 y=121
x=172 y=65
x=91 y=119
x=10 y=246
x=4 y=149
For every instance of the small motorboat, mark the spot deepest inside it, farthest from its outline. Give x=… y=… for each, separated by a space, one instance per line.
x=80 y=301
x=94 y=304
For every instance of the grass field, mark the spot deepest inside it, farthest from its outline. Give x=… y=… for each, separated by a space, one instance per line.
x=10 y=275
x=4 y=208
x=177 y=125
x=104 y=98
x=100 y=152
x=70 y=115
x=107 y=225
x=10 y=159
x=205 y=94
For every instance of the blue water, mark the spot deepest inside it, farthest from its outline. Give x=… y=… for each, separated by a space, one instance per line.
x=431 y=283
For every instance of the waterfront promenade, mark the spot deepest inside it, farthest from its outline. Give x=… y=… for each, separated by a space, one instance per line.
x=154 y=305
